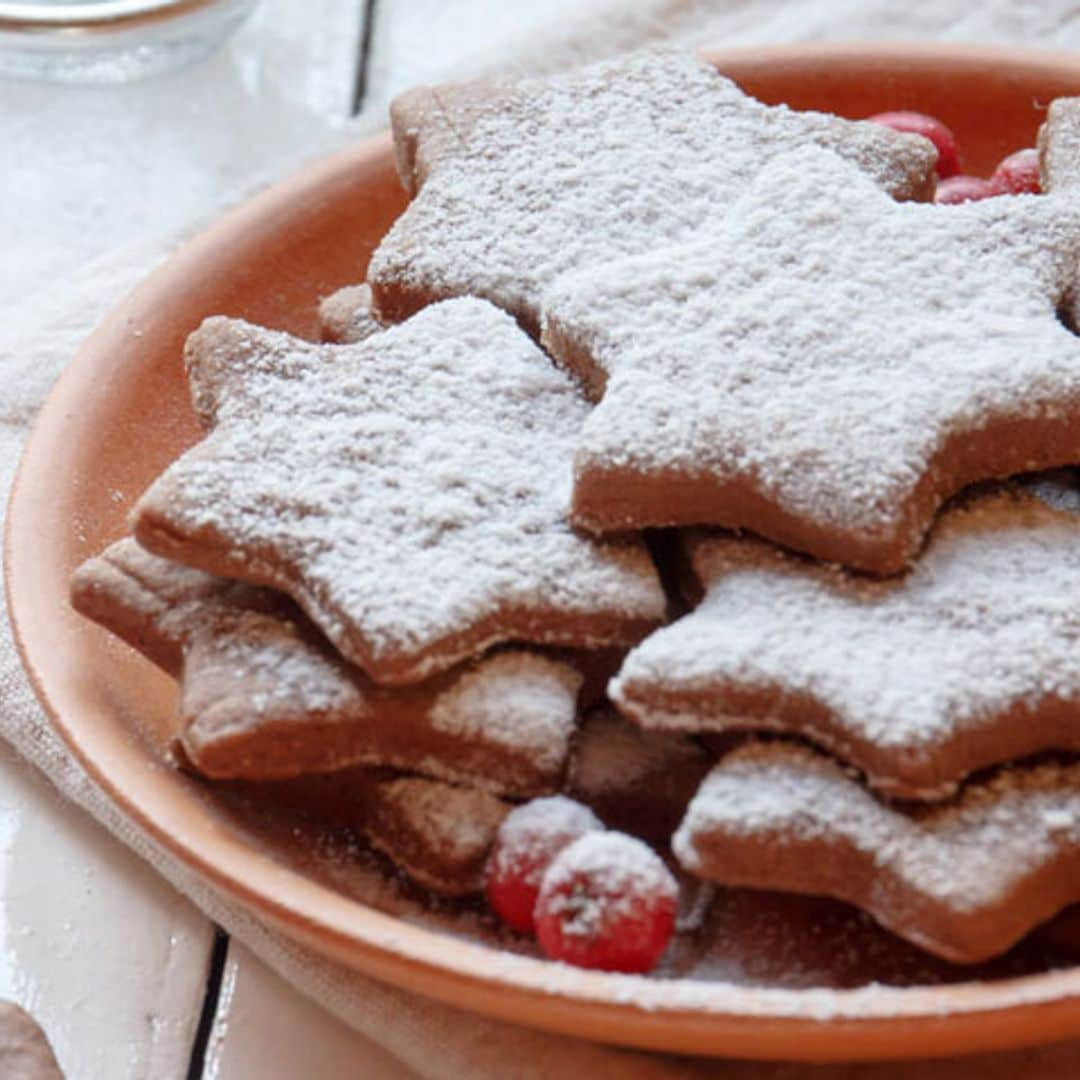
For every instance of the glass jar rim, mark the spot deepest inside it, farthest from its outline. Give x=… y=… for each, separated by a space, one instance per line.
x=96 y=17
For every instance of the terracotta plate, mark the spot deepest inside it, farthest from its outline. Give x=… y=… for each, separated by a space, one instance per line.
x=120 y=414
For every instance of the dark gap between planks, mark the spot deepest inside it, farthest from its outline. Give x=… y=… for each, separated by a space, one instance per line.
x=211 y=999
x=363 y=59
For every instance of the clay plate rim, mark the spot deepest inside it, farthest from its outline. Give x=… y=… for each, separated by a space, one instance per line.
x=681 y=1015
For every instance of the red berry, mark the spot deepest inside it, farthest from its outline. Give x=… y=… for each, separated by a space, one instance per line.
x=1018 y=174
x=961 y=189
x=948 y=162
x=528 y=839
x=608 y=902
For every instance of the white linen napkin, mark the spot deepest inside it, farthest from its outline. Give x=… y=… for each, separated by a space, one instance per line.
x=36 y=342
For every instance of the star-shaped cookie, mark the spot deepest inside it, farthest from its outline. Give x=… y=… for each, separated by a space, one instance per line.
x=964 y=879
x=826 y=366
x=516 y=182
x=410 y=491
x=969 y=660
x=263 y=695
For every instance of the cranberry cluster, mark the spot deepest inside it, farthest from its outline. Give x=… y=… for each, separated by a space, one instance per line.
x=593 y=898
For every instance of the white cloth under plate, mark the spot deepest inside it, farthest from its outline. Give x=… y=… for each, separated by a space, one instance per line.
x=36 y=341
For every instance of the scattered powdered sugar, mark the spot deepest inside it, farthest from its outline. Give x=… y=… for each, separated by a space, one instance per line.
x=409 y=491
x=967 y=855
x=520 y=182
x=823 y=344
x=1056 y=820
x=274 y=668
x=621 y=873
x=517 y=700
x=921 y=667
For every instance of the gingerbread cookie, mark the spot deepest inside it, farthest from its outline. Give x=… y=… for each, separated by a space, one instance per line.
x=967 y=661
x=409 y=491
x=826 y=366
x=347 y=316
x=517 y=182
x=263 y=695
x=437 y=834
x=963 y=880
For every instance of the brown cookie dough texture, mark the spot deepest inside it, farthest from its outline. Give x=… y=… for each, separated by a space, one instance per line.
x=410 y=492
x=963 y=880
x=518 y=181
x=825 y=366
x=967 y=661
x=264 y=696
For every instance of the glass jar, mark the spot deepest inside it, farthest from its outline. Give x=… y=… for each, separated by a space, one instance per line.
x=111 y=41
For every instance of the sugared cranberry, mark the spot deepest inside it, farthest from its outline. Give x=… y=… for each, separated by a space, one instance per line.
x=961 y=189
x=528 y=839
x=915 y=123
x=1018 y=174
x=607 y=902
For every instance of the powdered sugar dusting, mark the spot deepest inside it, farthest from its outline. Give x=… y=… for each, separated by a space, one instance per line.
x=277 y=671
x=919 y=668
x=532 y=718
x=522 y=181
x=409 y=491
x=967 y=856
x=823 y=344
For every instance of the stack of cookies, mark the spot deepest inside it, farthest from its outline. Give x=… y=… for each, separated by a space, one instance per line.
x=640 y=469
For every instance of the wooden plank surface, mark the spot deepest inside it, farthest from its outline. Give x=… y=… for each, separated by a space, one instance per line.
x=107 y=957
